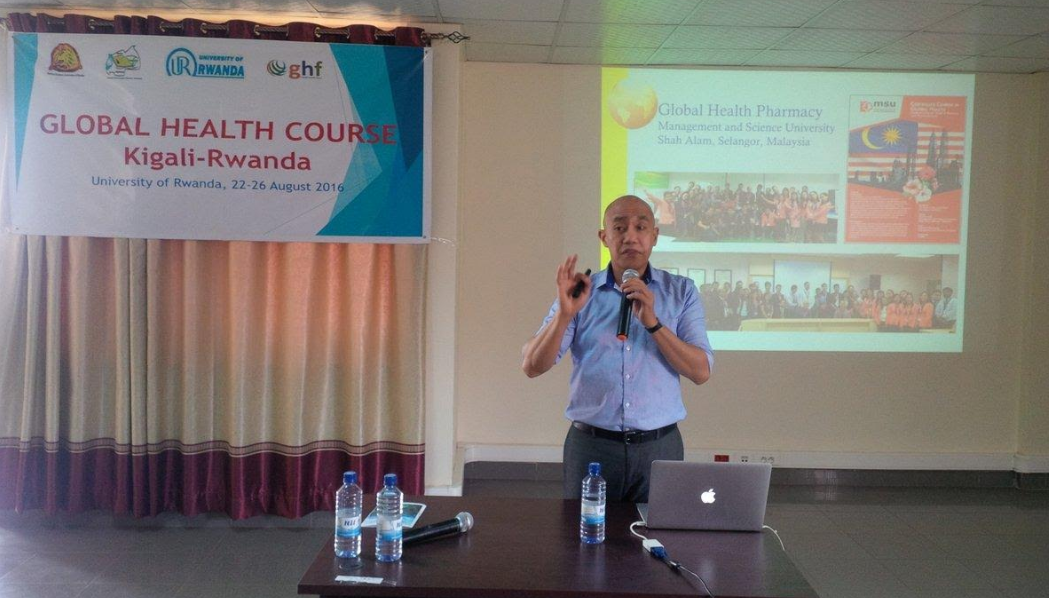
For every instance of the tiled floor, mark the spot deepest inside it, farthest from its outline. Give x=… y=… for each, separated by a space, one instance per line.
x=864 y=543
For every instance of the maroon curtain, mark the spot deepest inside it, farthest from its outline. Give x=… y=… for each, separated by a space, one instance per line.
x=186 y=479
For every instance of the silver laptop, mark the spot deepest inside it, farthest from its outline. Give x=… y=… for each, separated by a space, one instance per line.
x=707 y=496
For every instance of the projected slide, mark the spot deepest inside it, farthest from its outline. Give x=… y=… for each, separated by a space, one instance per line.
x=814 y=211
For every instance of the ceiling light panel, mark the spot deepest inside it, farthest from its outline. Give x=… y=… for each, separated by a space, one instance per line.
x=643 y=12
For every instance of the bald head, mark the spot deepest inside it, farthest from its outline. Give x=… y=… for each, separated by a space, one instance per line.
x=628 y=203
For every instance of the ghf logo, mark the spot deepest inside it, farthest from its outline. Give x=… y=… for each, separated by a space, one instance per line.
x=302 y=70
x=181 y=62
x=276 y=68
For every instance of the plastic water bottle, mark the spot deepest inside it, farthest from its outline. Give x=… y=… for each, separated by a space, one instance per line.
x=592 y=518
x=348 y=502
x=388 y=507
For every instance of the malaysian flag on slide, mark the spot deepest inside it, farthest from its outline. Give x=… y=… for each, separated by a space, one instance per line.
x=877 y=147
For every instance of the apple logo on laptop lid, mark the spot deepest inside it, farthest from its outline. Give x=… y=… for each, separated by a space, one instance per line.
x=707 y=497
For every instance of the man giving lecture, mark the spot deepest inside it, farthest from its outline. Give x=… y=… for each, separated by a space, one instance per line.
x=625 y=395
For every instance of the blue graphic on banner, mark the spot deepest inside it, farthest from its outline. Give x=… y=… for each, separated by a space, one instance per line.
x=893 y=137
x=386 y=86
x=25 y=71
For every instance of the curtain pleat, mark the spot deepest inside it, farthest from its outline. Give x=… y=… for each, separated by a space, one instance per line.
x=143 y=376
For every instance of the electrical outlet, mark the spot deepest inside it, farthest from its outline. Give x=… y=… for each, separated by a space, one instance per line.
x=768 y=459
x=744 y=459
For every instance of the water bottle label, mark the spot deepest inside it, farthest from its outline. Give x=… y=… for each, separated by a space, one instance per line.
x=389 y=529
x=349 y=527
x=593 y=514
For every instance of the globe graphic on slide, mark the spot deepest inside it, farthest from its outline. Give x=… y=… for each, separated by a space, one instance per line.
x=632 y=103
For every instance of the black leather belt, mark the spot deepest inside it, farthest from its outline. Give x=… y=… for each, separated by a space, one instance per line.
x=628 y=437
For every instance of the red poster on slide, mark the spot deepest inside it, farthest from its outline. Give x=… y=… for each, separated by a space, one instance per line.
x=905 y=169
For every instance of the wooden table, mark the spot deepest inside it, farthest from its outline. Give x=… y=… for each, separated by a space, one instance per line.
x=531 y=547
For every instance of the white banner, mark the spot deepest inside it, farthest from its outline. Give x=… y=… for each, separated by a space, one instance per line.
x=186 y=138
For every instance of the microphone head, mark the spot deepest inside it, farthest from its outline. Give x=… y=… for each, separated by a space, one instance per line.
x=466 y=521
x=630 y=273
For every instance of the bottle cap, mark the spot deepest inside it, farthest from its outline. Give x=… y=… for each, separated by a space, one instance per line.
x=389 y=479
x=350 y=477
x=595 y=468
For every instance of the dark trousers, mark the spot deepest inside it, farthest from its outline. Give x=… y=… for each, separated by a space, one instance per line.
x=625 y=467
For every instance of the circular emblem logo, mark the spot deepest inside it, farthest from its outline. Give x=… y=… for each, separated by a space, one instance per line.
x=276 y=68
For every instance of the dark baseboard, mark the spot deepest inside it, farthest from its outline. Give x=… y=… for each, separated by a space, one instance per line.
x=787 y=476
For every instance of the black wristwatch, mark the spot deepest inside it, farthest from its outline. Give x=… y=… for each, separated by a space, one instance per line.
x=655 y=328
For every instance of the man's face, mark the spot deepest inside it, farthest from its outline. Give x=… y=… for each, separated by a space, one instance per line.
x=947 y=293
x=630 y=234
x=807 y=287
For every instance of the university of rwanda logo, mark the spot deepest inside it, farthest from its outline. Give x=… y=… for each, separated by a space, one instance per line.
x=276 y=68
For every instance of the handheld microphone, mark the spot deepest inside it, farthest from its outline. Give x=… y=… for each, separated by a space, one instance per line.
x=461 y=524
x=625 y=307
x=577 y=290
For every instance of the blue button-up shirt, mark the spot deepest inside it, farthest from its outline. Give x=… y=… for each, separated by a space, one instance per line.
x=629 y=385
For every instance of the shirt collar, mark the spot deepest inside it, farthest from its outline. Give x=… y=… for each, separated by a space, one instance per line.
x=610 y=278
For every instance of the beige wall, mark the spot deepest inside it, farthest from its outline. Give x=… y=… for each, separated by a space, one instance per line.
x=1034 y=404
x=530 y=184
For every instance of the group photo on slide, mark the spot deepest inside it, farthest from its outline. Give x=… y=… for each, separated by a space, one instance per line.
x=748 y=208
x=823 y=293
x=889 y=310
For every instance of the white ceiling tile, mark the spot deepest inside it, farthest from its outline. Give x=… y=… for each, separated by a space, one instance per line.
x=267 y=6
x=510 y=32
x=1044 y=3
x=501 y=10
x=758 y=13
x=652 y=12
x=144 y=4
x=803 y=58
x=1032 y=47
x=997 y=19
x=838 y=40
x=903 y=61
x=902 y=16
x=699 y=36
x=477 y=52
x=996 y=64
x=613 y=35
x=965 y=44
x=403 y=8
x=575 y=55
x=693 y=56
